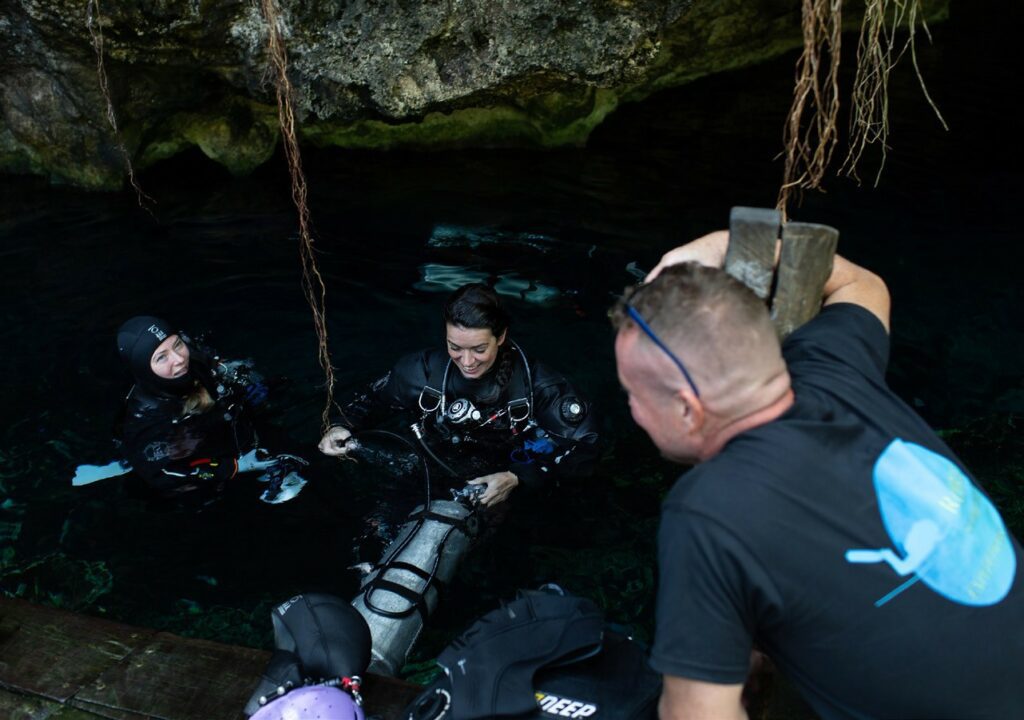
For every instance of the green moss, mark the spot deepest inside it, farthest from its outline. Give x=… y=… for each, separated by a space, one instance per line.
x=421 y=673
x=549 y=124
x=540 y=109
x=57 y=163
x=238 y=134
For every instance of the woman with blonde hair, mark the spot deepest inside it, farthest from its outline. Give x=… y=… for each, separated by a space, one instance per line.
x=187 y=428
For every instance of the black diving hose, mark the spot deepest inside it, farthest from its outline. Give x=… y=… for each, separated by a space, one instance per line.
x=405 y=441
x=417 y=430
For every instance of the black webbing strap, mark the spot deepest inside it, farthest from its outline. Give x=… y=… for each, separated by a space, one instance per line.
x=417 y=601
x=414 y=569
x=458 y=523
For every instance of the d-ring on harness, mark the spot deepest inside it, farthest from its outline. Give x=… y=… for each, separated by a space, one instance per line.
x=518 y=410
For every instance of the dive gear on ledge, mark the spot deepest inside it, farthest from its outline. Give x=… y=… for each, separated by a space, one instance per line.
x=322 y=648
x=543 y=655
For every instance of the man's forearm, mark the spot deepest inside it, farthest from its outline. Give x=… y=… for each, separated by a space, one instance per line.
x=685 y=699
x=853 y=284
x=847 y=283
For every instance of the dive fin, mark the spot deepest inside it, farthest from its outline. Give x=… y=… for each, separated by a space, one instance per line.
x=284 y=490
x=88 y=474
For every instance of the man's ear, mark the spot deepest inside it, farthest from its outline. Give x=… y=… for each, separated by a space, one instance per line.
x=691 y=410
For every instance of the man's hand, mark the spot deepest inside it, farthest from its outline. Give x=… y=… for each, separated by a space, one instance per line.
x=847 y=283
x=335 y=442
x=708 y=250
x=499 y=486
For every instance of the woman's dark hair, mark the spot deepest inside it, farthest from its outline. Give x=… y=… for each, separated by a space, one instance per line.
x=476 y=306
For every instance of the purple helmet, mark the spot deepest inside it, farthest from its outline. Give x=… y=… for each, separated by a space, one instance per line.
x=315 y=702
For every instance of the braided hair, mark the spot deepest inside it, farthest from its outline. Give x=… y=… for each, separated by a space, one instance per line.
x=477 y=306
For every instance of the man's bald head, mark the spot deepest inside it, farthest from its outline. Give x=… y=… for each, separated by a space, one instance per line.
x=717 y=326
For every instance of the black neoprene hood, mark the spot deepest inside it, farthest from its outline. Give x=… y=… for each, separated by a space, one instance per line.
x=137 y=339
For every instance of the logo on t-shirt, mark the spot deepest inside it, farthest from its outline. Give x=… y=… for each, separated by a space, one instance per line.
x=945 y=532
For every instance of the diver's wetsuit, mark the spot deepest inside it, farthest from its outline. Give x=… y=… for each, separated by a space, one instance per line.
x=177 y=454
x=535 y=425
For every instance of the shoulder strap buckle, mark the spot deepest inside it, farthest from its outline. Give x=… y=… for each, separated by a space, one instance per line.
x=428 y=394
x=519 y=410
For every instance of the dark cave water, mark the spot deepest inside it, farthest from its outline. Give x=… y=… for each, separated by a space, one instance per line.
x=557 y=231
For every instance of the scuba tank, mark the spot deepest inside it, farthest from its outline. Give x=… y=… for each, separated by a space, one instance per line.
x=401 y=592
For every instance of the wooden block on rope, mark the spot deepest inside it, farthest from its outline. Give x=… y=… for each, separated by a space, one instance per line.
x=808 y=250
x=793 y=290
x=750 y=258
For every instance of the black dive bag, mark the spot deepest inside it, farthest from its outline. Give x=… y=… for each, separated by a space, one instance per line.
x=542 y=656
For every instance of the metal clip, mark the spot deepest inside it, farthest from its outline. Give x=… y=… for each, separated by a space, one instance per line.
x=521 y=406
x=428 y=391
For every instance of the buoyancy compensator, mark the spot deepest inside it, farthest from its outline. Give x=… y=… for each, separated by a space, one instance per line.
x=544 y=655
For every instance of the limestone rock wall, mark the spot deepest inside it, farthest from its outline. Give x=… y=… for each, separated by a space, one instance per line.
x=367 y=73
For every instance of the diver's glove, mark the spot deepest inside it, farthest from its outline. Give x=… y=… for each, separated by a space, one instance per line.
x=257 y=459
x=283 y=480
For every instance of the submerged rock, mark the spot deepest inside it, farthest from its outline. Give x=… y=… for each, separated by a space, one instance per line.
x=369 y=74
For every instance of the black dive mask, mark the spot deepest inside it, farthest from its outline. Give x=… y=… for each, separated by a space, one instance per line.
x=137 y=339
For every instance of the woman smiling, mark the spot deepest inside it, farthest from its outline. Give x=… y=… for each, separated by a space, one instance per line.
x=506 y=420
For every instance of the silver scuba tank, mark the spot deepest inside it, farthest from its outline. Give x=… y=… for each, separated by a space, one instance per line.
x=400 y=593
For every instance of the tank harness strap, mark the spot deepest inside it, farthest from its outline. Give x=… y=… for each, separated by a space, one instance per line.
x=417 y=600
x=414 y=569
x=457 y=523
x=519 y=410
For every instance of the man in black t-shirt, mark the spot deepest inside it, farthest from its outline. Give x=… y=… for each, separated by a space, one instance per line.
x=824 y=523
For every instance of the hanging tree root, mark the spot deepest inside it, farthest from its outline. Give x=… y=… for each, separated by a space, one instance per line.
x=877 y=55
x=93 y=23
x=312 y=281
x=810 y=142
x=809 y=145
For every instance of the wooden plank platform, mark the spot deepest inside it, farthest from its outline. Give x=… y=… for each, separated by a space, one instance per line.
x=57 y=665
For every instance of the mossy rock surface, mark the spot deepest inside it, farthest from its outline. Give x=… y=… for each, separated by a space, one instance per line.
x=432 y=74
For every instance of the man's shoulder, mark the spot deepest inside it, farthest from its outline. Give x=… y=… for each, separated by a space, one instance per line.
x=735 y=472
x=760 y=466
x=843 y=335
